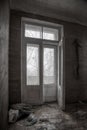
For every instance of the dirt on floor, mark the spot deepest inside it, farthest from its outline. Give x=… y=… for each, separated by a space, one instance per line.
x=50 y=117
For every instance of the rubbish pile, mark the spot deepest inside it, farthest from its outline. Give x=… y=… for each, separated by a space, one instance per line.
x=22 y=111
x=46 y=127
x=81 y=115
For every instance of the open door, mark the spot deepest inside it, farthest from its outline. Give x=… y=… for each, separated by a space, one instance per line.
x=61 y=87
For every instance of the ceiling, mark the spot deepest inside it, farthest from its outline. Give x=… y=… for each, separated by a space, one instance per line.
x=68 y=10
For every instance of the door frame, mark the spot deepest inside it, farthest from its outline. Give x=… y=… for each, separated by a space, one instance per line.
x=61 y=36
x=61 y=44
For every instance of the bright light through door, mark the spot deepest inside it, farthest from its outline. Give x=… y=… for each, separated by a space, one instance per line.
x=49 y=75
x=32 y=64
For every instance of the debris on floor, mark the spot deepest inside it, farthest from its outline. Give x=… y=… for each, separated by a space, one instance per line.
x=50 y=117
x=31 y=119
x=22 y=111
x=46 y=127
x=13 y=115
x=21 y=106
x=81 y=115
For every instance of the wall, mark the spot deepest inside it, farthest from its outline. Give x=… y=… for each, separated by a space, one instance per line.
x=68 y=10
x=15 y=59
x=75 y=88
x=4 y=42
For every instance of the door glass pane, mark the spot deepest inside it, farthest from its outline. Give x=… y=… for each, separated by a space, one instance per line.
x=48 y=77
x=33 y=31
x=50 y=33
x=32 y=64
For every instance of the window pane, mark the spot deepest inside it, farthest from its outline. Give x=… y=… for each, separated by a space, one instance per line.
x=33 y=31
x=49 y=66
x=50 y=34
x=32 y=64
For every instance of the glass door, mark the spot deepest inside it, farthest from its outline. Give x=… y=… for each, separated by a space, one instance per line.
x=42 y=71
x=49 y=73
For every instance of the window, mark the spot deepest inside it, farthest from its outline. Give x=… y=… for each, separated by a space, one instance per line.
x=33 y=31
x=50 y=34
x=40 y=32
x=32 y=64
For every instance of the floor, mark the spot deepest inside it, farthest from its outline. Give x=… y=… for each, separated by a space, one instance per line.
x=50 y=117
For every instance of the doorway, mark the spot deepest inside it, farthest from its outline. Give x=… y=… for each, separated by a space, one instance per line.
x=42 y=65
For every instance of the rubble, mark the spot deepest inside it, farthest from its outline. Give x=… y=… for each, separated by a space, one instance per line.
x=21 y=111
x=50 y=117
x=13 y=115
